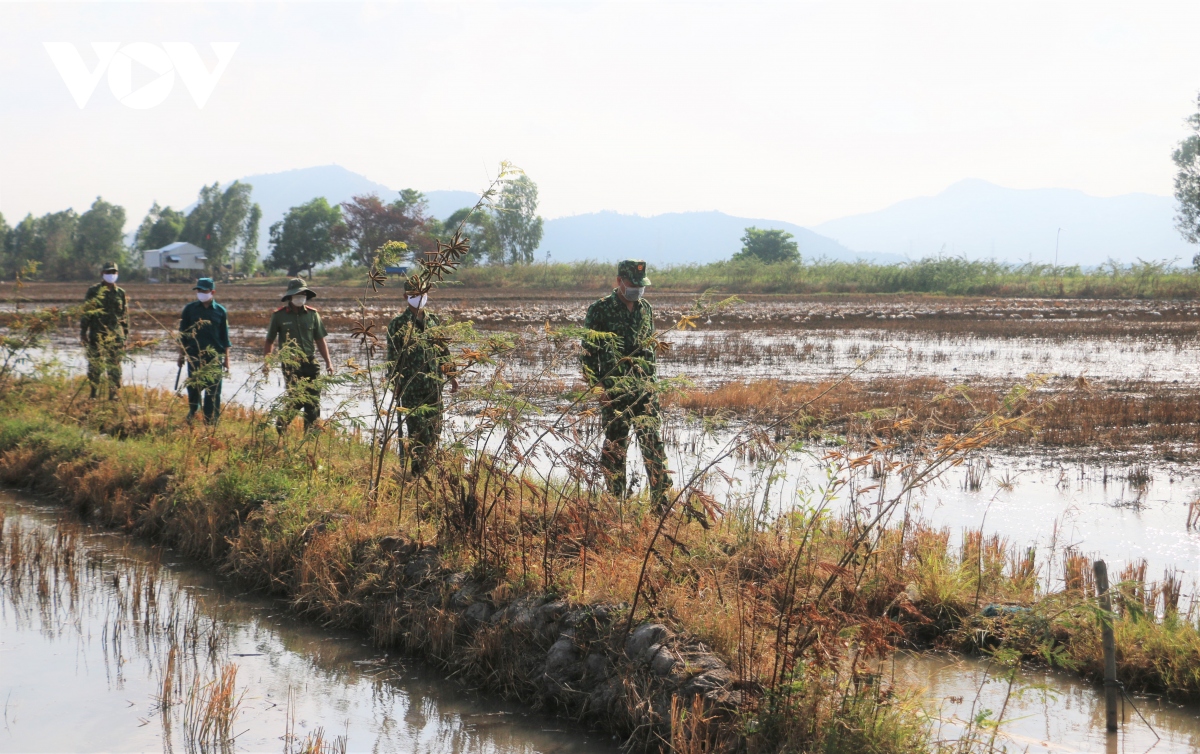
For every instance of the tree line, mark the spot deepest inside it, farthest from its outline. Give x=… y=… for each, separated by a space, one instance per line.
x=225 y=223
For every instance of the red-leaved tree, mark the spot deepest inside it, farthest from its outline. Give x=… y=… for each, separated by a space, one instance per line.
x=369 y=223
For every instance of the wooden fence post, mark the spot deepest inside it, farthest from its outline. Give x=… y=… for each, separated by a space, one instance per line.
x=1109 y=644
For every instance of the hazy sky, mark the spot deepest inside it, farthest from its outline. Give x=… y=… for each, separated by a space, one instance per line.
x=793 y=111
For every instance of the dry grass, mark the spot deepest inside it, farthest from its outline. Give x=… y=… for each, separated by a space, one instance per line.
x=210 y=709
x=775 y=597
x=770 y=596
x=1078 y=415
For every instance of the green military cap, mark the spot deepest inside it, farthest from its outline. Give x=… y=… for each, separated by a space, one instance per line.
x=295 y=286
x=633 y=270
x=109 y=267
x=204 y=284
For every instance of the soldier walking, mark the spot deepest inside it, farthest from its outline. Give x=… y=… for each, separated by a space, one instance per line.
x=204 y=339
x=301 y=334
x=415 y=360
x=103 y=329
x=619 y=358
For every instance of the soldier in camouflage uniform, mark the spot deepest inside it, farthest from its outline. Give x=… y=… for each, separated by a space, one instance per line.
x=415 y=359
x=618 y=357
x=103 y=329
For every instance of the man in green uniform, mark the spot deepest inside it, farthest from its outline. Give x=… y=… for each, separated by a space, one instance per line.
x=103 y=329
x=619 y=358
x=204 y=337
x=301 y=334
x=415 y=360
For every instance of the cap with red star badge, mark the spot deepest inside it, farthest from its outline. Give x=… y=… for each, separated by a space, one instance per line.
x=633 y=270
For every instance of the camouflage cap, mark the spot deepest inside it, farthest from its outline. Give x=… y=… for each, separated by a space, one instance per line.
x=413 y=284
x=633 y=270
x=109 y=267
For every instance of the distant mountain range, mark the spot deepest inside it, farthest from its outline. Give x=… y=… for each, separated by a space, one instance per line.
x=676 y=238
x=971 y=218
x=980 y=220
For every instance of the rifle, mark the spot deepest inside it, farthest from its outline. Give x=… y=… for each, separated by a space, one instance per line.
x=179 y=372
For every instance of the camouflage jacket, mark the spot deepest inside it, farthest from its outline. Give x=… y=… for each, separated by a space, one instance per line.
x=619 y=351
x=105 y=313
x=415 y=358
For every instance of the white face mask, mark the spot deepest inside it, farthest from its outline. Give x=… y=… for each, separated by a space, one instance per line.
x=299 y=300
x=418 y=302
x=109 y=277
x=203 y=297
x=633 y=294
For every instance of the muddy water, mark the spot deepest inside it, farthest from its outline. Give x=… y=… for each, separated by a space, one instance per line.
x=1046 y=711
x=711 y=357
x=72 y=679
x=75 y=680
x=1031 y=500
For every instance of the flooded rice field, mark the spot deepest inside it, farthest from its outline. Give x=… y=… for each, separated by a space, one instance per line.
x=713 y=356
x=106 y=645
x=1030 y=501
x=1130 y=504
x=143 y=652
x=1041 y=712
x=1117 y=506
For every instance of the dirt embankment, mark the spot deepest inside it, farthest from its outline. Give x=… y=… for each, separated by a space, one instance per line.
x=650 y=686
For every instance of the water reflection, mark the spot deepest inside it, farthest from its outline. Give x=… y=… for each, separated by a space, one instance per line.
x=80 y=674
x=1046 y=711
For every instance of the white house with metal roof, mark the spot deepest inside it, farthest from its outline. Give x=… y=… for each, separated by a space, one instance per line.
x=176 y=256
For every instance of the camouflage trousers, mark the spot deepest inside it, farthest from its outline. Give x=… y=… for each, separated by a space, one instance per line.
x=423 y=421
x=104 y=356
x=303 y=394
x=642 y=416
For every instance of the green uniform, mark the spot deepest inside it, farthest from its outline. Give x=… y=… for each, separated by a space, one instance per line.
x=415 y=360
x=104 y=325
x=298 y=330
x=204 y=334
x=619 y=357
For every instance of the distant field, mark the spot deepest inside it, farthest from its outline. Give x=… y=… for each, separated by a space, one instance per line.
x=251 y=305
x=947 y=276
x=933 y=276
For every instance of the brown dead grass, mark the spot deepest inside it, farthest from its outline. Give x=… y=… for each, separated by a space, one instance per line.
x=1069 y=414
